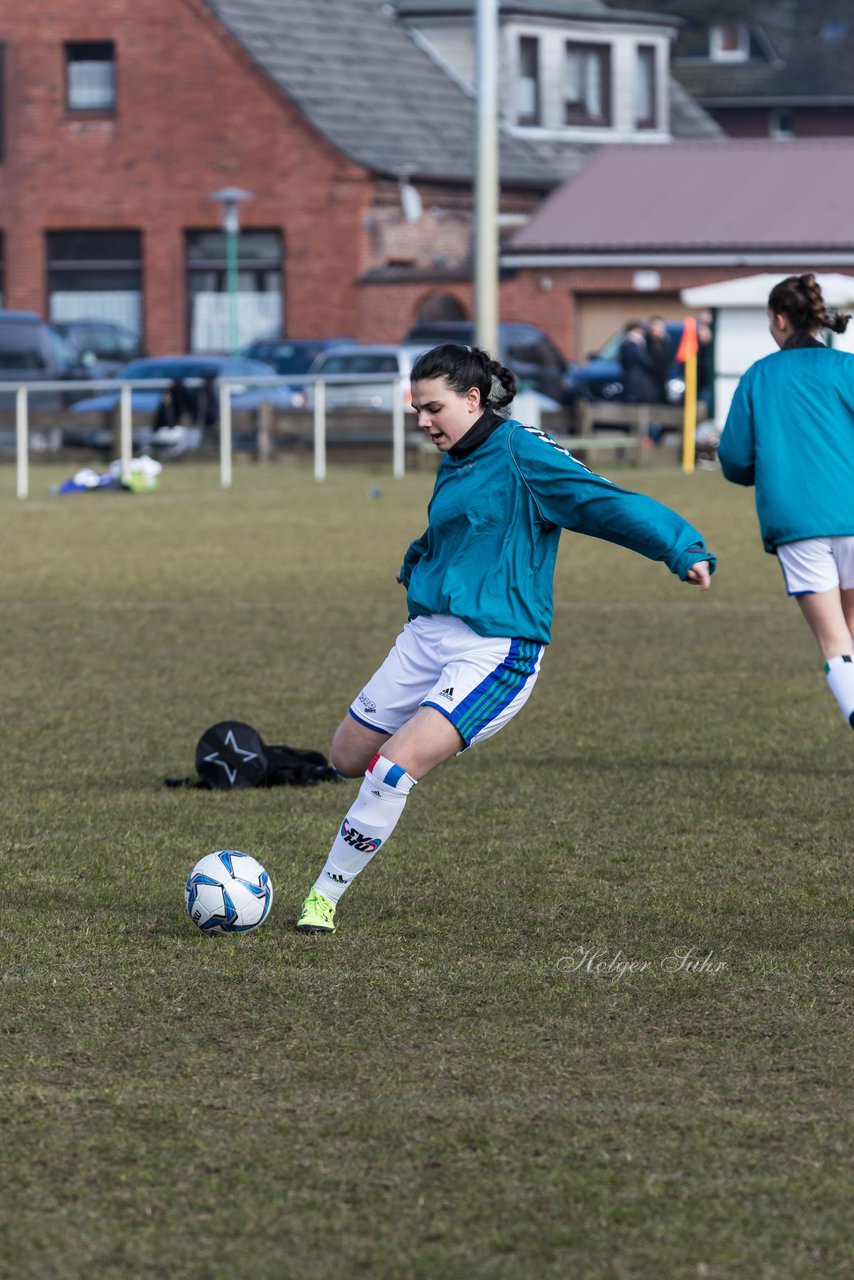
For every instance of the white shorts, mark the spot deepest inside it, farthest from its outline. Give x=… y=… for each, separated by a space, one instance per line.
x=438 y=661
x=817 y=564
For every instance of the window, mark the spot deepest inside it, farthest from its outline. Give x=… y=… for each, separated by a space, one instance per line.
x=24 y=344
x=587 y=84
x=528 y=81
x=729 y=42
x=646 y=105
x=95 y=275
x=90 y=76
x=258 y=299
x=525 y=346
x=782 y=124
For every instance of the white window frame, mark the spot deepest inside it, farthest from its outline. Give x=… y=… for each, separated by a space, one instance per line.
x=647 y=123
x=718 y=53
x=528 y=119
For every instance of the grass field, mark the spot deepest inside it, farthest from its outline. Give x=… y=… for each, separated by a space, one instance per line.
x=467 y=1081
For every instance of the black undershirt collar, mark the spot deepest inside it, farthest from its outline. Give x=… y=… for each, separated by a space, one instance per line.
x=798 y=340
x=476 y=434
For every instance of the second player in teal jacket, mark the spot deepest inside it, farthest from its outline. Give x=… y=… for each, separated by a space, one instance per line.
x=790 y=432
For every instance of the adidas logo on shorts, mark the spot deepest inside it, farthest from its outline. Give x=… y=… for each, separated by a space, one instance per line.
x=447 y=693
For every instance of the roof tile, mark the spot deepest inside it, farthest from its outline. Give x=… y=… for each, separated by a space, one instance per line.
x=732 y=195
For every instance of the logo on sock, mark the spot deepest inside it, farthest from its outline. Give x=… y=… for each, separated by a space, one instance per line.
x=337 y=879
x=448 y=693
x=361 y=843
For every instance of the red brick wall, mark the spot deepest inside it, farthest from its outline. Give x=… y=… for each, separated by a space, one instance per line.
x=807 y=122
x=818 y=122
x=550 y=297
x=193 y=115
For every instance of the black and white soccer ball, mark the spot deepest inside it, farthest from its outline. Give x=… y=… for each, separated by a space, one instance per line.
x=228 y=892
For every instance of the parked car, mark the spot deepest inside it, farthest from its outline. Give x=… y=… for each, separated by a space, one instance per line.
x=30 y=351
x=102 y=346
x=290 y=356
x=383 y=361
x=601 y=377
x=179 y=416
x=525 y=349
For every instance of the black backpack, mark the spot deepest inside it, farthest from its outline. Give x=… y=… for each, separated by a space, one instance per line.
x=232 y=754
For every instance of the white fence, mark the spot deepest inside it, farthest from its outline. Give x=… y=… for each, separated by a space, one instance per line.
x=227 y=388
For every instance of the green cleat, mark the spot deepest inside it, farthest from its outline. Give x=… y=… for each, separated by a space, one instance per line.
x=318 y=914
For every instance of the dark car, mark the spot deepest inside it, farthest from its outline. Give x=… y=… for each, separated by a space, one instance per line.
x=601 y=378
x=31 y=351
x=290 y=356
x=526 y=350
x=102 y=346
x=178 y=416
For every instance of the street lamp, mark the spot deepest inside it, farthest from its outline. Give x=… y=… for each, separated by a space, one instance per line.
x=486 y=178
x=230 y=199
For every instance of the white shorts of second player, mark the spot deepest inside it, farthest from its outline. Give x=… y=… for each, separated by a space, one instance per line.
x=817 y=564
x=438 y=661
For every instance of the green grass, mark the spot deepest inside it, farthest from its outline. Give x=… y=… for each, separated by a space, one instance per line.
x=440 y=1090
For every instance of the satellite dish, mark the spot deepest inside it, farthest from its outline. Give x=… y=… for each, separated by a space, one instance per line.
x=410 y=202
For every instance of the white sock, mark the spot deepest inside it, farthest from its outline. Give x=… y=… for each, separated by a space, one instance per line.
x=840 y=678
x=368 y=824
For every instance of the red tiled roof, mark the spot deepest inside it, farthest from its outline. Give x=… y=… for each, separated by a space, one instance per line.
x=716 y=195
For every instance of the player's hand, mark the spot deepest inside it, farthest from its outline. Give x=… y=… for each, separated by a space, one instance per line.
x=699 y=575
x=398 y=578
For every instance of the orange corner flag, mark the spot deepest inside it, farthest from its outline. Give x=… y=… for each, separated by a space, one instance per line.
x=689 y=345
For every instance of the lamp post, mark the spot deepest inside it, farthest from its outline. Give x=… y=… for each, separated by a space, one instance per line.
x=486 y=178
x=230 y=199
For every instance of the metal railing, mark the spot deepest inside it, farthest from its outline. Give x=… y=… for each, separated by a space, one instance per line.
x=319 y=382
x=22 y=388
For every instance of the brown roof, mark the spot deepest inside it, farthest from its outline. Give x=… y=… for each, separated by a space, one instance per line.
x=715 y=195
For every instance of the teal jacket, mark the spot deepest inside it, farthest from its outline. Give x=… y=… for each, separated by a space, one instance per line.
x=790 y=432
x=495 y=519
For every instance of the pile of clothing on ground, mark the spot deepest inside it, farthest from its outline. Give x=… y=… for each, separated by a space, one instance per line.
x=142 y=476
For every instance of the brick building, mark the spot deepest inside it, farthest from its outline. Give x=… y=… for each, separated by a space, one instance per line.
x=635 y=228
x=354 y=136
x=120 y=119
x=768 y=68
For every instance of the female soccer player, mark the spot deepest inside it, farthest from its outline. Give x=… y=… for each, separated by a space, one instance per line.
x=479 y=596
x=790 y=432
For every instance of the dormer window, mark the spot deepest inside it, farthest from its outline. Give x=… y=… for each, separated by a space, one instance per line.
x=528 y=81
x=729 y=42
x=646 y=100
x=587 y=84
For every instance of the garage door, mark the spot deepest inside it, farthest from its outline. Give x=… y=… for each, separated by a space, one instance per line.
x=601 y=315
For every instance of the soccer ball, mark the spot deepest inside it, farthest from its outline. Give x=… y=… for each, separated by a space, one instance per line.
x=228 y=892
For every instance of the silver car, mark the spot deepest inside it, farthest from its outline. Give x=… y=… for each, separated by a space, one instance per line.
x=361 y=376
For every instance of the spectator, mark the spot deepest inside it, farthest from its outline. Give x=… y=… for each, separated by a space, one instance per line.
x=636 y=364
x=660 y=355
x=705 y=361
